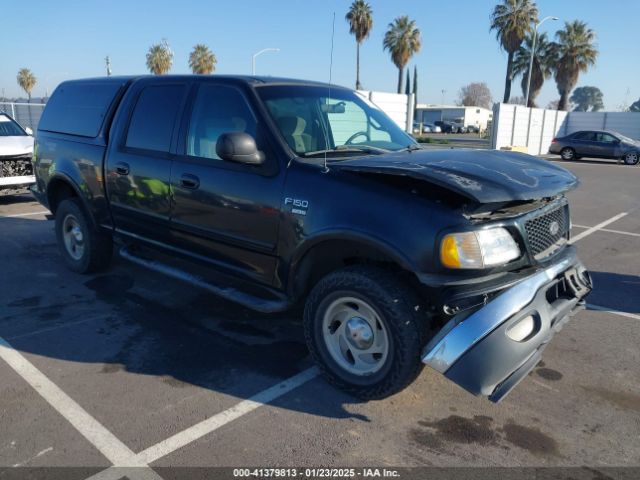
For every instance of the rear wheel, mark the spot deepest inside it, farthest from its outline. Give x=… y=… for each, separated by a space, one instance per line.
x=84 y=248
x=568 y=153
x=365 y=330
x=631 y=158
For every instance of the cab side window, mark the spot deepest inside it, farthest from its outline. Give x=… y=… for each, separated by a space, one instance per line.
x=217 y=110
x=154 y=116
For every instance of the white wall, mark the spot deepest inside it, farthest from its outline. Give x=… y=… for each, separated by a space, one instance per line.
x=395 y=105
x=534 y=128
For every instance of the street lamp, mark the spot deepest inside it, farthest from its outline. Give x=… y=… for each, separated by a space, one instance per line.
x=253 y=60
x=533 y=53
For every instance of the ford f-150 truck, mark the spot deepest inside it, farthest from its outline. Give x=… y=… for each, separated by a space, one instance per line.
x=276 y=193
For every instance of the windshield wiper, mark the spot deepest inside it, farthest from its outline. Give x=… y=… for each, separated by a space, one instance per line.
x=341 y=149
x=411 y=148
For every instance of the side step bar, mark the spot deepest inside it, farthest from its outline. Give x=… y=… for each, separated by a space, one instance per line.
x=255 y=303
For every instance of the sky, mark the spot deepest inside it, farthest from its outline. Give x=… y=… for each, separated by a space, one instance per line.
x=66 y=39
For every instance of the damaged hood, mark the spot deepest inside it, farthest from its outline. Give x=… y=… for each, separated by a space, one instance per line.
x=18 y=145
x=484 y=176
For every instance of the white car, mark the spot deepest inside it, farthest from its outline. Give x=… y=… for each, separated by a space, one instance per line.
x=16 y=150
x=433 y=128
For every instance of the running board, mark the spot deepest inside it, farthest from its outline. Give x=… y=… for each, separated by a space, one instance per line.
x=255 y=303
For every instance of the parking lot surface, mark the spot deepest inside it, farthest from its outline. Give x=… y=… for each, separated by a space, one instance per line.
x=131 y=368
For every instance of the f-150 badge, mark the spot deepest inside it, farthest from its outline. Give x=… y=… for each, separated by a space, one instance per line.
x=299 y=207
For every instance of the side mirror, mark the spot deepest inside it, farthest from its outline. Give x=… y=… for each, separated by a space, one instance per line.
x=29 y=131
x=239 y=147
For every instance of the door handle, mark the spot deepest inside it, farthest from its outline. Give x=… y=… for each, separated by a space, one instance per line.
x=122 y=168
x=189 y=181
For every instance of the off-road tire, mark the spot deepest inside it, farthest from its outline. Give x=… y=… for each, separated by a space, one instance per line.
x=395 y=303
x=98 y=246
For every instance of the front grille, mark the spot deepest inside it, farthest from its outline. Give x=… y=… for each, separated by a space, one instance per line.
x=16 y=166
x=543 y=235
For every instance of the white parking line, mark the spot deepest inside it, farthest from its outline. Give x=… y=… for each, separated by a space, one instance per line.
x=101 y=438
x=599 y=226
x=608 y=230
x=46 y=212
x=113 y=449
x=211 y=424
x=199 y=430
x=591 y=306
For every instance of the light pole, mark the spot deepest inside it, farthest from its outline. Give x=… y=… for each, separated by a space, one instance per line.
x=533 y=53
x=253 y=59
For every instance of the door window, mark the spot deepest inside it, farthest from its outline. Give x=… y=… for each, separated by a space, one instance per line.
x=154 y=117
x=217 y=110
x=606 y=138
x=588 y=136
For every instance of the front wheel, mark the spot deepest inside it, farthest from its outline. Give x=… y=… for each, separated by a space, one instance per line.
x=365 y=329
x=631 y=158
x=84 y=248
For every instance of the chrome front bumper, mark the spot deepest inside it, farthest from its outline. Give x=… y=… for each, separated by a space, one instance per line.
x=475 y=351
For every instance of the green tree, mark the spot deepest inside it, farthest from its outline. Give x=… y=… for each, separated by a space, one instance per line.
x=512 y=20
x=202 y=60
x=576 y=52
x=360 y=18
x=635 y=106
x=27 y=81
x=585 y=98
x=544 y=61
x=159 y=58
x=402 y=40
x=407 y=85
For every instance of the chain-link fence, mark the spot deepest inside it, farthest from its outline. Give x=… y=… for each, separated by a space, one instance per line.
x=26 y=114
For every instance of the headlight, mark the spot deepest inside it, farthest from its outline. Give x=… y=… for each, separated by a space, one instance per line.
x=479 y=249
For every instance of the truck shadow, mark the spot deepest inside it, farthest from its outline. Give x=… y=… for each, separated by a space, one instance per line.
x=131 y=320
x=616 y=291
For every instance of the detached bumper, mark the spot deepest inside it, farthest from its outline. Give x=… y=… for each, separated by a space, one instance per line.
x=489 y=351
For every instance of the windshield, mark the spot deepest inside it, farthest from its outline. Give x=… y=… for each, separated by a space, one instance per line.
x=9 y=128
x=626 y=139
x=313 y=123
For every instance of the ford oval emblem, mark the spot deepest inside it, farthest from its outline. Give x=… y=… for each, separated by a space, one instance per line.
x=554 y=228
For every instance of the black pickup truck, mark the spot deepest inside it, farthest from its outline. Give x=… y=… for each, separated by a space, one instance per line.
x=276 y=193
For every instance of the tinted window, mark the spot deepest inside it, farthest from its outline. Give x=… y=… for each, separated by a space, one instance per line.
x=79 y=108
x=217 y=110
x=585 y=136
x=154 y=116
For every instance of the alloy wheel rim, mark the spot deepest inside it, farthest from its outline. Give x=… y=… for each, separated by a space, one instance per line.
x=73 y=237
x=355 y=336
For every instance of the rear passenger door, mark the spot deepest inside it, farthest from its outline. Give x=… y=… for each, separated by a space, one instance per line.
x=226 y=212
x=139 y=160
x=585 y=143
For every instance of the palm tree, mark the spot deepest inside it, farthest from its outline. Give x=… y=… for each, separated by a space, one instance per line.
x=159 y=58
x=26 y=80
x=360 y=18
x=402 y=40
x=202 y=60
x=544 y=61
x=511 y=20
x=576 y=52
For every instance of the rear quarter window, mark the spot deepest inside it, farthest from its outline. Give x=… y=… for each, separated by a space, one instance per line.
x=79 y=108
x=154 y=116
